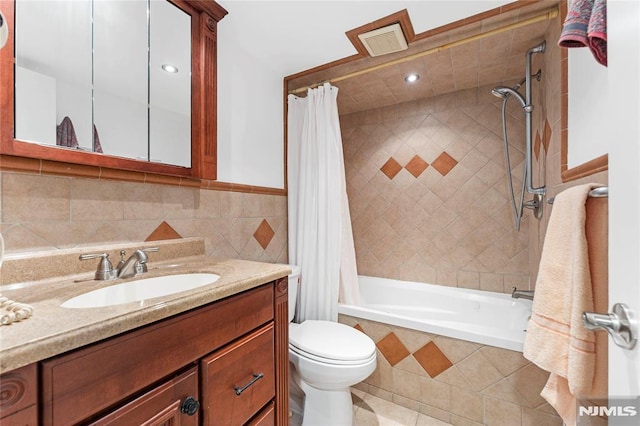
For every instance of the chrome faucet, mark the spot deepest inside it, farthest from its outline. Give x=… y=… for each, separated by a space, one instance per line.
x=522 y=294
x=135 y=264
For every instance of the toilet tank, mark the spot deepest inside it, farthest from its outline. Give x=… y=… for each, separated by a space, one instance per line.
x=294 y=282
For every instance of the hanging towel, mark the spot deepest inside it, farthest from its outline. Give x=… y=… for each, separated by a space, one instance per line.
x=597 y=31
x=586 y=26
x=65 y=134
x=556 y=339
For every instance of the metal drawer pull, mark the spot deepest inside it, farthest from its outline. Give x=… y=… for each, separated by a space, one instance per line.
x=256 y=377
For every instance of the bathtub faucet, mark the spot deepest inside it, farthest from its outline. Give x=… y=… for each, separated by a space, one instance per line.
x=522 y=294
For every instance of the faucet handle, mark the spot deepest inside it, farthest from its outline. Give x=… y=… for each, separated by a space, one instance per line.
x=105 y=269
x=141 y=265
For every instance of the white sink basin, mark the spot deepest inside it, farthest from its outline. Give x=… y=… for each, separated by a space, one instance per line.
x=140 y=290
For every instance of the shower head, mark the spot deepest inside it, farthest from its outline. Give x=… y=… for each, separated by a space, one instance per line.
x=503 y=92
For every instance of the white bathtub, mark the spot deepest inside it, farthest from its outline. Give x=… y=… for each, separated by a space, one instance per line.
x=484 y=317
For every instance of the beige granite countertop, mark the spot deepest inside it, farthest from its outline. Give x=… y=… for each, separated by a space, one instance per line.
x=53 y=330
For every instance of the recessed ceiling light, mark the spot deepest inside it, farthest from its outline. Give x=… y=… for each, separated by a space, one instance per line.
x=170 y=68
x=412 y=78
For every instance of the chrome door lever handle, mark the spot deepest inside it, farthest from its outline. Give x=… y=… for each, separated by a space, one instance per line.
x=619 y=324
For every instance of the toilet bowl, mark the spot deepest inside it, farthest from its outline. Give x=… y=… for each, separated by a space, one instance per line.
x=326 y=358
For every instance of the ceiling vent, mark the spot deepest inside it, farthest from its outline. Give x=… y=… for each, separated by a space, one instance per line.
x=384 y=40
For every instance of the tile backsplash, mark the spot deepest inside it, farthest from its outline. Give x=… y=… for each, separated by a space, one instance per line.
x=47 y=212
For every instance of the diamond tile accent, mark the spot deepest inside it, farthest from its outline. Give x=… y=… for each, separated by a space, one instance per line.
x=264 y=234
x=444 y=163
x=416 y=166
x=431 y=358
x=391 y=168
x=392 y=348
x=164 y=231
x=536 y=146
x=546 y=140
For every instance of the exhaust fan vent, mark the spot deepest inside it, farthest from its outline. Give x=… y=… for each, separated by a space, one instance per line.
x=384 y=40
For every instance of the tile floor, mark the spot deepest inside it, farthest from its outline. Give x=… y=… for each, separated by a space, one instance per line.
x=370 y=410
x=373 y=411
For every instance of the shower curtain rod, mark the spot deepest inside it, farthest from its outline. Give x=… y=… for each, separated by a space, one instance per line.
x=550 y=14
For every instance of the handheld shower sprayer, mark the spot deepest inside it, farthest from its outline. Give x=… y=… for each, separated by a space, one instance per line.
x=504 y=93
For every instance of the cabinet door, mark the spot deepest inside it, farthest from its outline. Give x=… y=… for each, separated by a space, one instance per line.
x=160 y=406
x=238 y=380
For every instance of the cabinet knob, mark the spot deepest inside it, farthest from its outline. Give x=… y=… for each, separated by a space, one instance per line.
x=190 y=406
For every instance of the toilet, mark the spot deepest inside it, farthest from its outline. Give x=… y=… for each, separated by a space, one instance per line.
x=325 y=359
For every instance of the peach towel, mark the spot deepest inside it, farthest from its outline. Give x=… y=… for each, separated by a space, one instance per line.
x=556 y=340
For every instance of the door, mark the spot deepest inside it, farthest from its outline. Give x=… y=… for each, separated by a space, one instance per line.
x=623 y=117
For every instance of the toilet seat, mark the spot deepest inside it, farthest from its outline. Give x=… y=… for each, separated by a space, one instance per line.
x=331 y=343
x=330 y=361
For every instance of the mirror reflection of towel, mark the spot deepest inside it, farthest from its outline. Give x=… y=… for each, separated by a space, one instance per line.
x=65 y=134
x=96 y=140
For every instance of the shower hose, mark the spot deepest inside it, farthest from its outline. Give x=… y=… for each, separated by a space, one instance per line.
x=517 y=212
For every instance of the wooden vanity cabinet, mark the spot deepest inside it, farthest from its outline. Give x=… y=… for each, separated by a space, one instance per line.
x=205 y=355
x=19 y=397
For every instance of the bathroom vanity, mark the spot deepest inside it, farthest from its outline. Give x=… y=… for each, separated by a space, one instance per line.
x=214 y=355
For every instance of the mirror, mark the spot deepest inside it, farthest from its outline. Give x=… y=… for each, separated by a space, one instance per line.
x=110 y=77
x=4 y=31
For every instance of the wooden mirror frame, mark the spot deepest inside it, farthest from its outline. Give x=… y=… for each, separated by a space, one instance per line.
x=596 y=165
x=204 y=18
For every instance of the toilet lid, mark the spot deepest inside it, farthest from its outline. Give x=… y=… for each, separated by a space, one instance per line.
x=331 y=340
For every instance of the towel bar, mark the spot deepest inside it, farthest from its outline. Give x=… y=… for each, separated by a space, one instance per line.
x=599 y=192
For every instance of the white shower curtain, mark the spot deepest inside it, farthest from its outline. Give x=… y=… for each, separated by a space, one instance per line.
x=320 y=235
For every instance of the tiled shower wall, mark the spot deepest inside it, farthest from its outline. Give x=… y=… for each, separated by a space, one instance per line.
x=428 y=192
x=547 y=145
x=44 y=212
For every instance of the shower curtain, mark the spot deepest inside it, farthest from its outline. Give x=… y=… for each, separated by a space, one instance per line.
x=320 y=235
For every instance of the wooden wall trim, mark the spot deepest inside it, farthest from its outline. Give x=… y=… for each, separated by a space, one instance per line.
x=419 y=36
x=36 y=166
x=596 y=165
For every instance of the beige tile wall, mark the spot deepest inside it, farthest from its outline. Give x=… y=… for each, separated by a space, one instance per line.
x=450 y=223
x=547 y=163
x=459 y=382
x=44 y=212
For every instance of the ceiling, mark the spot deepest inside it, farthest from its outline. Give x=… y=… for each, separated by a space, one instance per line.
x=491 y=60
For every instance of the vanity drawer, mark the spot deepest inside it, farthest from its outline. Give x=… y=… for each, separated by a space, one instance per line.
x=82 y=383
x=266 y=417
x=239 y=380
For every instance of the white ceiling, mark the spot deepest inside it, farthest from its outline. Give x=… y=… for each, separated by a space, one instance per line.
x=294 y=36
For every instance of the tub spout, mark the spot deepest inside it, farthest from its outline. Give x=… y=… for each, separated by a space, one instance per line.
x=522 y=294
